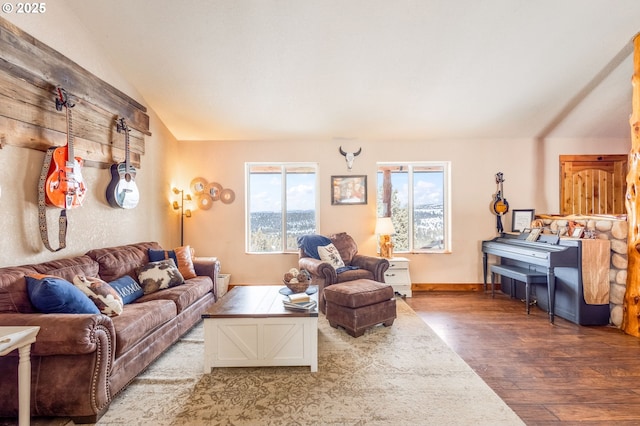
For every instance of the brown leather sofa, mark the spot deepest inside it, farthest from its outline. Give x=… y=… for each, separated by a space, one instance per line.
x=80 y=362
x=323 y=274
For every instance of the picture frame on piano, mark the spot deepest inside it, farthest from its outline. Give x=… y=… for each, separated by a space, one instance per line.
x=521 y=219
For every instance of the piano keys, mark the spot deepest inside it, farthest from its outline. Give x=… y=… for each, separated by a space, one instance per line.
x=563 y=294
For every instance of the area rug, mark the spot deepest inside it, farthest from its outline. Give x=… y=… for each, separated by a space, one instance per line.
x=399 y=375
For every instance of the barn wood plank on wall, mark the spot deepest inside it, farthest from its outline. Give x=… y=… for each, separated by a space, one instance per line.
x=43 y=126
x=30 y=71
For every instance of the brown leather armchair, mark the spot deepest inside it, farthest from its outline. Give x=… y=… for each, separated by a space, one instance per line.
x=323 y=274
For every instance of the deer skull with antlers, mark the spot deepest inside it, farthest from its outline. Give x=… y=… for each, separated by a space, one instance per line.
x=350 y=156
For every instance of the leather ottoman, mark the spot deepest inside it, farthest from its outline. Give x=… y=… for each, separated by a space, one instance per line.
x=360 y=304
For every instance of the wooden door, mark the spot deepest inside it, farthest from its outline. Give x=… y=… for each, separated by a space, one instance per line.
x=592 y=184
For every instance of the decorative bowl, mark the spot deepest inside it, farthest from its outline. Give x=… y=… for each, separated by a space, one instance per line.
x=297 y=287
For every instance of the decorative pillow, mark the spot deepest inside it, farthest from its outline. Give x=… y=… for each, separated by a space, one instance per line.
x=105 y=297
x=181 y=256
x=50 y=294
x=156 y=276
x=330 y=254
x=128 y=289
x=310 y=243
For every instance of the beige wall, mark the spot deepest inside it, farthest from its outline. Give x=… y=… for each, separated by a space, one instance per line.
x=531 y=181
x=530 y=169
x=95 y=223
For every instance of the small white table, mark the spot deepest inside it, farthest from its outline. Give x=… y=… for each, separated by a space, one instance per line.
x=398 y=276
x=21 y=338
x=249 y=327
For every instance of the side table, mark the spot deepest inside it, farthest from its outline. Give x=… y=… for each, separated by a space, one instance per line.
x=21 y=338
x=398 y=276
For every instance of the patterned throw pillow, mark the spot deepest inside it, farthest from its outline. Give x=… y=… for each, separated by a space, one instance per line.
x=50 y=294
x=128 y=289
x=331 y=255
x=156 y=276
x=181 y=256
x=105 y=297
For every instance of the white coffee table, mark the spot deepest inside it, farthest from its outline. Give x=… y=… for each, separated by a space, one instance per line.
x=21 y=338
x=249 y=327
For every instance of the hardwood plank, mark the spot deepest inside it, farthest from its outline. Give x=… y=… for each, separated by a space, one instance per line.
x=561 y=374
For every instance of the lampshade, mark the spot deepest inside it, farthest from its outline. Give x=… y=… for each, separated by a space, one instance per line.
x=384 y=226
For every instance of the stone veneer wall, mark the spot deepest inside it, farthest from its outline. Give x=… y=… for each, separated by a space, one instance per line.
x=613 y=229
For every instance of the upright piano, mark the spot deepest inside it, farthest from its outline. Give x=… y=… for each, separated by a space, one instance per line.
x=563 y=294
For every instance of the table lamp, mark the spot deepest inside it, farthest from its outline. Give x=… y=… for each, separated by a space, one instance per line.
x=384 y=229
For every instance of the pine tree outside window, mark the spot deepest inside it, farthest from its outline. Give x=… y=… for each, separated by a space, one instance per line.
x=416 y=197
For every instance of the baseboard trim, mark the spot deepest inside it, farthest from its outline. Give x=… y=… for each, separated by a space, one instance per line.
x=431 y=287
x=451 y=287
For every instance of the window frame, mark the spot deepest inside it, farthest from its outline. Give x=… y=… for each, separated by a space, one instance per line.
x=446 y=193
x=283 y=166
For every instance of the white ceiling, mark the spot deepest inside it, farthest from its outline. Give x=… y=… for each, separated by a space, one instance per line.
x=374 y=69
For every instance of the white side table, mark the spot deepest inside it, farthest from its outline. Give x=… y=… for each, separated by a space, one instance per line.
x=21 y=338
x=398 y=276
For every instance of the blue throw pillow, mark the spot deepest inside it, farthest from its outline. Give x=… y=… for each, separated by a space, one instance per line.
x=127 y=288
x=158 y=255
x=51 y=294
x=309 y=243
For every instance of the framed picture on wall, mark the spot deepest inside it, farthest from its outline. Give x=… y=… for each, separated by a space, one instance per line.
x=348 y=190
x=521 y=219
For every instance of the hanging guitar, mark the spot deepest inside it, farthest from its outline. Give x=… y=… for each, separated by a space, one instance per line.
x=499 y=205
x=64 y=186
x=122 y=191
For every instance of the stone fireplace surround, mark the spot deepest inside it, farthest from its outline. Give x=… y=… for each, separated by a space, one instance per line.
x=614 y=229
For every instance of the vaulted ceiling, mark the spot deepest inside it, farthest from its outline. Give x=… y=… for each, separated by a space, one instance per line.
x=374 y=69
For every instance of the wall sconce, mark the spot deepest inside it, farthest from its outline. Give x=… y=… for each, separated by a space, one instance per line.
x=183 y=212
x=384 y=229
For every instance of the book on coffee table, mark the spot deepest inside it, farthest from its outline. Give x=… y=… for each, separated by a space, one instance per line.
x=300 y=306
x=299 y=298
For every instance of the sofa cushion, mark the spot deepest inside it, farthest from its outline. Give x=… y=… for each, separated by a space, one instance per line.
x=160 y=275
x=69 y=268
x=139 y=320
x=184 y=295
x=346 y=246
x=128 y=289
x=115 y=262
x=181 y=256
x=14 y=296
x=51 y=294
x=105 y=297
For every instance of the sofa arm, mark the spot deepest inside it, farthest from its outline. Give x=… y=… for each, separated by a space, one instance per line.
x=318 y=268
x=376 y=265
x=67 y=334
x=208 y=267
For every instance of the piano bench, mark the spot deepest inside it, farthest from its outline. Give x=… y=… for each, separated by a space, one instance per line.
x=518 y=273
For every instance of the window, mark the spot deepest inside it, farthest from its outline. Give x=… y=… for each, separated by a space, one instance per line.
x=282 y=204
x=416 y=197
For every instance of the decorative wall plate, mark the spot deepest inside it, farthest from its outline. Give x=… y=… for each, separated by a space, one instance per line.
x=198 y=185
x=205 y=201
x=227 y=196
x=214 y=189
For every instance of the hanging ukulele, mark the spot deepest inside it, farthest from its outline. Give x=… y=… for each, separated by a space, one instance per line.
x=64 y=187
x=122 y=190
x=499 y=206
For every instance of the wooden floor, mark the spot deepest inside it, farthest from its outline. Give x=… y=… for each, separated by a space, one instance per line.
x=561 y=374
